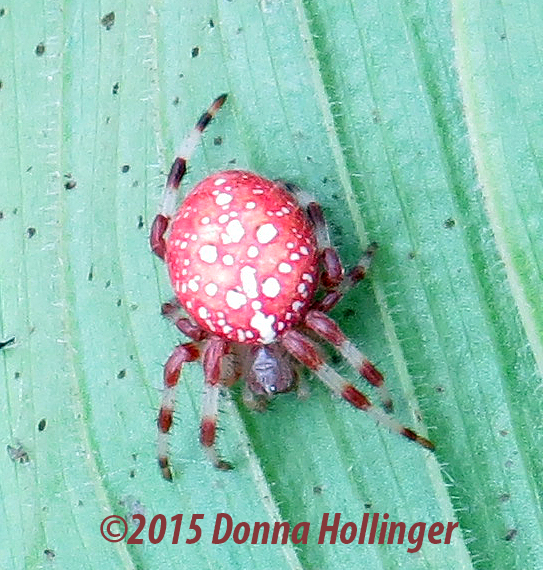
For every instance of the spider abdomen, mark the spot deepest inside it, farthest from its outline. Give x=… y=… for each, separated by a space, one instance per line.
x=242 y=257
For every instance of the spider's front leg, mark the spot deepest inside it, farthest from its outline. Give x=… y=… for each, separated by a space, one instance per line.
x=214 y=352
x=328 y=329
x=177 y=171
x=303 y=349
x=173 y=311
x=338 y=283
x=183 y=353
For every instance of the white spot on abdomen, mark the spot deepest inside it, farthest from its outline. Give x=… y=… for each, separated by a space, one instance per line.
x=285 y=268
x=208 y=253
x=235 y=300
x=235 y=230
x=222 y=199
x=271 y=287
x=252 y=251
x=248 y=281
x=266 y=233
x=211 y=289
x=264 y=325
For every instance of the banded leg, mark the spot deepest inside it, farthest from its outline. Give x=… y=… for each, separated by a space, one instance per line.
x=353 y=277
x=173 y=311
x=306 y=352
x=327 y=329
x=177 y=171
x=183 y=353
x=332 y=268
x=212 y=360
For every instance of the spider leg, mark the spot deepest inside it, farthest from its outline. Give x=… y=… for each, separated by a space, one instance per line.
x=231 y=369
x=332 y=268
x=333 y=275
x=350 y=280
x=173 y=311
x=177 y=171
x=212 y=361
x=306 y=352
x=183 y=353
x=328 y=329
x=333 y=271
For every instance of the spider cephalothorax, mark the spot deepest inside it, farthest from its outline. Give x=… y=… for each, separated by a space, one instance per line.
x=246 y=256
x=271 y=372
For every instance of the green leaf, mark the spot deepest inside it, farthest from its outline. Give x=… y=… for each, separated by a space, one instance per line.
x=416 y=125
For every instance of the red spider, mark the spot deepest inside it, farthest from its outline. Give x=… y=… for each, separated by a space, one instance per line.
x=246 y=256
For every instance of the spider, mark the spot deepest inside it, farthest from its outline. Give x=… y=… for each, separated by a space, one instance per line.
x=246 y=257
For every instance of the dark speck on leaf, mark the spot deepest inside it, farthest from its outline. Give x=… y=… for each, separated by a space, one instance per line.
x=50 y=554
x=8 y=342
x=40 y=49
x=18 y=454
x=195 y=51
x=511 y=533
x=108 y=20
